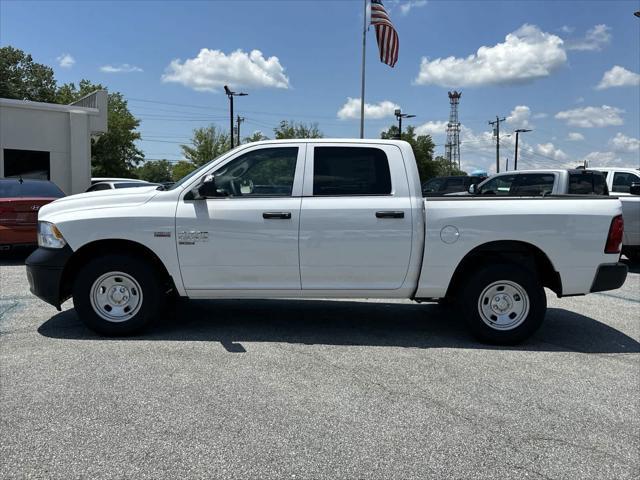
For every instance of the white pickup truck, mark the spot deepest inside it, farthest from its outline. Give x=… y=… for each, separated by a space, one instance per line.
x=322 y=218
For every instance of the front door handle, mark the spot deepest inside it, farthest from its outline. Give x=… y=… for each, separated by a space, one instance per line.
x=274 y=215
x=389 y=214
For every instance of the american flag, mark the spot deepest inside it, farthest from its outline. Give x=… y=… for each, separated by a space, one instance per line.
x=385 y=33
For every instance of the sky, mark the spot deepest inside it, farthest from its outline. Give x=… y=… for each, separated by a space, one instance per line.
x=567 y=70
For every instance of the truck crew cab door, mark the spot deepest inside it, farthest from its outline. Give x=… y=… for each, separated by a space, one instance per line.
x=356 y=219
x=245 y=238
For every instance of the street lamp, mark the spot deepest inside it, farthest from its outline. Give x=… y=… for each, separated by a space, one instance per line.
x=400 y=116
x=230 y=96
x=515 y=161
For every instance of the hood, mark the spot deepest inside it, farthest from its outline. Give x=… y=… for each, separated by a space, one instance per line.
x=122 y=197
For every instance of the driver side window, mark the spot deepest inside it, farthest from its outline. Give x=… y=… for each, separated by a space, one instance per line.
x=267 y=172
x=498 y=186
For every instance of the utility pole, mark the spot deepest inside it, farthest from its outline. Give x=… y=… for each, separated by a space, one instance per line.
x=230 y=96
x=497 y=135
x=400 y=116
x=239 y=120
x=518 y=131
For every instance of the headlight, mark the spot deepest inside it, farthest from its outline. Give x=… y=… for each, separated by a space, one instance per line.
x=49 y=236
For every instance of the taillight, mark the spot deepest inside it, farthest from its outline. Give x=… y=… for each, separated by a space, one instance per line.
x=614 y=239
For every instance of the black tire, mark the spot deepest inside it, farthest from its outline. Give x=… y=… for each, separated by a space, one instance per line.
x=517 y=279
x=147 y=307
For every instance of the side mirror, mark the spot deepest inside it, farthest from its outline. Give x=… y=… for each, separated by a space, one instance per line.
x=472 y=189
x=208 y=188
x=634 y=189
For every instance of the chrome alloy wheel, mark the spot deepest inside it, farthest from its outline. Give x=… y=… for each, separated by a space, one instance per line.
x=116 y=296
x=503 y=305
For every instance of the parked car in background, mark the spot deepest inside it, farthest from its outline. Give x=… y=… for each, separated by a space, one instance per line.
x=95 y=180
x=620 y=182
x=443 y=185
x=20 y=201
x=536 y=183
x=110 y=185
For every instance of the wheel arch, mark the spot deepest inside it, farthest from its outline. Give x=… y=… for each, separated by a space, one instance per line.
x=108 y=246
x=507 y=251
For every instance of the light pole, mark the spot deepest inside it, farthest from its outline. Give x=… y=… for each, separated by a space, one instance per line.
x=515 y=160
x=400 y=116
x=230 y=96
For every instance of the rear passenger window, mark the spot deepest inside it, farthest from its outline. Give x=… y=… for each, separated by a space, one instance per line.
x=533 y=185
x=350 y=171
x=588 y=183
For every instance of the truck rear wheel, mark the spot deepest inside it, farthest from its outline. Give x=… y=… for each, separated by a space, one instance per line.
x=503 y=304
x=117 y=295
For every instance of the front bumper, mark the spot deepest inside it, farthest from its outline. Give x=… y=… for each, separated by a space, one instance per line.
x=44 y=272
x=609 y=277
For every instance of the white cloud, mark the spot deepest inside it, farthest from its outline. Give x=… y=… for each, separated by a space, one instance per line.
x=538 y=116
x=580 y=100
x=122 y=68
x=567 y=29
x=619 y=77
x=595 y=39
x=525 y=55
x=406 y=7
x=519 y=117
x=622 y=143
x=549 y=150
x=575 y=137
x=433 y=128
x=589 y=117
x=351 y=109
x=602 y=159
x=210 y=70
x=66 y=60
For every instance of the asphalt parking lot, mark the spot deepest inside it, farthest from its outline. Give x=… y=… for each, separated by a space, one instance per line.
x=318 y=389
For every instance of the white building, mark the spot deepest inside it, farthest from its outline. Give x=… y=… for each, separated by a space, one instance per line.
x=50 y=141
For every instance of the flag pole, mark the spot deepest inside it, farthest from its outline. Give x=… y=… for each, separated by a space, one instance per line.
x=364 y=50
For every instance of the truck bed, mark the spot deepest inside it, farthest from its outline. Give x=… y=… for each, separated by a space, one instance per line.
x=456 y=226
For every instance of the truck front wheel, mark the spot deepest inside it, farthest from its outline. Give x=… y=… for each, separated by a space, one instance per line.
x=503 y=304
x=117 y=294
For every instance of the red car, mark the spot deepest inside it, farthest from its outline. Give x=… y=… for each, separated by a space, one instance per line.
x=20 y=201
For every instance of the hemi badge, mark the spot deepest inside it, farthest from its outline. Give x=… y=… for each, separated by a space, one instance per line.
x=161 y=234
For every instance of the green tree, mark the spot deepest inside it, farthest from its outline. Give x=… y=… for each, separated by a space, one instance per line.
x=255 y=137
x=422 y=146
x=182 y=169
x=445 y=168
x=290 y=129
x=207 y=144
x=156 y=171
x=113 y=154
x=23 y=79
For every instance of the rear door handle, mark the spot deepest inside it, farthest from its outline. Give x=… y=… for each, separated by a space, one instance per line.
x=274 y=215
x=389 y=214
